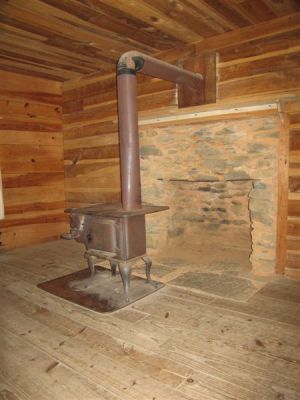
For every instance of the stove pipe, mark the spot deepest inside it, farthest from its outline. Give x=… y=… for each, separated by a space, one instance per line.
x=129 y=64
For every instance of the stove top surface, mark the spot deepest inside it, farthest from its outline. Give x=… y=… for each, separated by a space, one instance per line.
x=115 y=210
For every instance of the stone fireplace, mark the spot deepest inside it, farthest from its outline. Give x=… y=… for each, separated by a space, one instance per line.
x=220 y=180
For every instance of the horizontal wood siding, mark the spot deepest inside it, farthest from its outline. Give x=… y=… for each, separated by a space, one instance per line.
x=91 y=134
x=293 y=240
x=253 y=64
x=31 y=160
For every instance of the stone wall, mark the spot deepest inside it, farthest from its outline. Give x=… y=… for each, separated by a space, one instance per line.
x=220 y=181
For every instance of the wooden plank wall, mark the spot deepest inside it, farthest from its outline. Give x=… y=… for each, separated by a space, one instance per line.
x=31 y=160
x=91 y=138
x=254 y=63
x=293 y=239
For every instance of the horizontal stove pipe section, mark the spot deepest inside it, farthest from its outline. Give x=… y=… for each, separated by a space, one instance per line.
x=129 y=64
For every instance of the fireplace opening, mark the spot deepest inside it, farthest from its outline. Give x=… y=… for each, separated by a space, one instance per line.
x=208 y=222
x=206 y=215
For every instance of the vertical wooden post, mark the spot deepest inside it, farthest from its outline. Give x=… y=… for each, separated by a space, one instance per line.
x=283 y=187
x=210 y=78
x=188 y=97
x=206 y=65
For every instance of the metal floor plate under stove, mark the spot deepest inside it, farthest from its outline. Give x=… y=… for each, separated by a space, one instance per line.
x=102 y=292
x=112 y=233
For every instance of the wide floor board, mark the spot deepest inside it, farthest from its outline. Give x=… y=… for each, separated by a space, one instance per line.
x=176 y=344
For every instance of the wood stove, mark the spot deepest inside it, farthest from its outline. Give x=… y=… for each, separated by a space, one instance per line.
x=116 y=232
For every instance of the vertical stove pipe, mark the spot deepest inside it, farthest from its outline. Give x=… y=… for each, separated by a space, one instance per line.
x=129 y=141
x=129 y=64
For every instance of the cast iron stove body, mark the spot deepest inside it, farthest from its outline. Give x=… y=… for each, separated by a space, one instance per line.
x=117 y=231
x=109 y=232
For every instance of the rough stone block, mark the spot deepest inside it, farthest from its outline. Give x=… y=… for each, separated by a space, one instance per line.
x=237 y=162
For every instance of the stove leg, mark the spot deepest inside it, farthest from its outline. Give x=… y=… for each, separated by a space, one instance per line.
x=113 y=266
x=91 y=264
x=148 y=263
x=125 y=271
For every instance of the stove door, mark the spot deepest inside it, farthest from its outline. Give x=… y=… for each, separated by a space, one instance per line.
x=101 y=234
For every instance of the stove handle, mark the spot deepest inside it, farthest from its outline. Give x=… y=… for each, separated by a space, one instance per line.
x=73 y=234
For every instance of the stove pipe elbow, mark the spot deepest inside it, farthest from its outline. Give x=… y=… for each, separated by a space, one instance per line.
x=130 y=63
x=134 y=61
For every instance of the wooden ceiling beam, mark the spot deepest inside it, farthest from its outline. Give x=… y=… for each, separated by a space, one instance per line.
x=54 y=52
x=68 y=39
x=283 y=7
x=116 y=21
x=182 y=11
x=45 y=57
x=29 y=58
x=4 y=27
x=69 y=27
x=223 y=9
x=212 y=15
x=56 y=45
x=155 y=18
x=252 y=32
x=8 y=64
x=255 y=11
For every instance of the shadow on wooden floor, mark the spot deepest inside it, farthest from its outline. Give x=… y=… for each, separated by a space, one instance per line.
x=177 y=344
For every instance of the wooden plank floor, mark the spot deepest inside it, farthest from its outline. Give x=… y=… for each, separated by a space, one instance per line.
x=175 y=344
